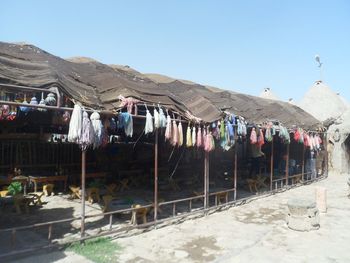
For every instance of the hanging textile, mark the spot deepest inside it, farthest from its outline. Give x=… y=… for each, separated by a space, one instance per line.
x=204 y=135
x=156 y=119
x=261 y=141
x=162 y=118
x=33 y=101
x=97 y=125
x=222 y=129
x=75 y=125
x=188 y=136
x=168 y=128
x=175 y=134
x=88 y=135
x=125 y=122
x=50 y=99
x=253 y=137
x=42 y=102
x=209 y=143
x=24 y=108
x=181 y=135
x=149 y=122
x=199 y=137
x=194 y=135
x=268 y=132
x=128 y=103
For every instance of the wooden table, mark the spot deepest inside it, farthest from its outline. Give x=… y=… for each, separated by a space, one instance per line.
x=48 y=179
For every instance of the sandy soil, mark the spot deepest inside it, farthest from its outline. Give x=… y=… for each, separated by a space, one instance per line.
x=255 y=232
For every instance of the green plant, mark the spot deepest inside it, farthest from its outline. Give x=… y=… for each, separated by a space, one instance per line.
x=15 y=188
x=99 y=250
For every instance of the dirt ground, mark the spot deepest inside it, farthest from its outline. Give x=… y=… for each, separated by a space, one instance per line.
x=254 y=232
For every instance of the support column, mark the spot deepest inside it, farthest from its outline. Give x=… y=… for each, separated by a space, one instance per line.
x=156 y=176
x=206 y=180
x=303 y=162
x=83 y=173
x=235 y=174
x=271 y=165
x=287 y=165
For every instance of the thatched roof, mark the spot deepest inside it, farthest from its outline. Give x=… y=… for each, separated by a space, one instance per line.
x=99 y=85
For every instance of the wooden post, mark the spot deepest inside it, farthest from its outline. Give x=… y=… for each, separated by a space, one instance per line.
x=303 y=163
x=235 y=174
x=156 y=176
x=83 y=173
x=206 y=180
x=271 y=165
x=287 y=165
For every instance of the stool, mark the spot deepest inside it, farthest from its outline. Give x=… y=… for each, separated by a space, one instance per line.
x=37 y=197
x=107 y=199
x=138 y=212
x=75 y=192
x=48 y=189
x=93 y=194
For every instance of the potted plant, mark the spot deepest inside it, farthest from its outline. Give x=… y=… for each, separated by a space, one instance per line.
x=15 y=188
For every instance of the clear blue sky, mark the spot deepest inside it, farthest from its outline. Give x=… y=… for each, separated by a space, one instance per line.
x=238 y=45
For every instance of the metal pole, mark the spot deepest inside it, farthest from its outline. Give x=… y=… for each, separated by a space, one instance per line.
x=83 y=173
x=303 y=162
x=235 y=175
x=287 y=164
x=156 y=176
x=206 y=180
x=271 y=165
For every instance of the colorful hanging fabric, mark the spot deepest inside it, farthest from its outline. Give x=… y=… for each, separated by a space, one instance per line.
x=75 y=125
x=162 y=118
x=222 y=129
x=188 y=136
x=4 y=112
x=268 y=133
x=88 y=135
x=149 y=122
x=194 y=136
x=209 y=143
x=199 y=137
x=24 y=109
x=261 y=141
x=125 y=122
x=204 y=134
x=128 y=103
x=181 y=135
x=97 y=126
x=168 y=129
x=253 y=137
x=156 y=119
x=175 y=134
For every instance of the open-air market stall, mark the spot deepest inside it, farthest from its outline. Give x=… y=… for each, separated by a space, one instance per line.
x=186 y=145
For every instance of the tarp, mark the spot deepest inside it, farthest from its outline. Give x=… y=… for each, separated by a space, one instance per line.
x=99 y=85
